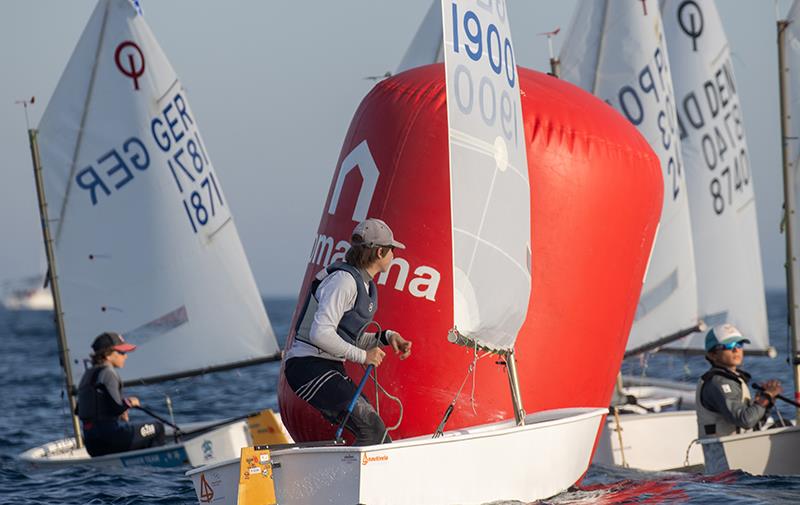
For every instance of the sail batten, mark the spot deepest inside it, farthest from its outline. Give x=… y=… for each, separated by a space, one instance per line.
x=147 y=245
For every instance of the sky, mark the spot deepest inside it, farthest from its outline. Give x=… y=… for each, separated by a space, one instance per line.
x=274 y=86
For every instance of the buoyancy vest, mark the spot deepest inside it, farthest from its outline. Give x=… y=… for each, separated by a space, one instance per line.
x=94 y=401
x=355 y=321
x=713 y=424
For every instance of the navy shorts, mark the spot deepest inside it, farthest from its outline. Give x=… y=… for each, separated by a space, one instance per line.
x=324 y=384
x=109 y=437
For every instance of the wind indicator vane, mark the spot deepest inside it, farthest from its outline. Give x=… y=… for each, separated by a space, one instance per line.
x=555 y=63
x=25 y=104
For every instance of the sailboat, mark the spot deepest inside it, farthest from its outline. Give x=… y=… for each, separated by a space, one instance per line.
x=703 y=114
x=711 y=132
x=27 y=294
x=411 y=159
x=138 y=232
x=774 y=451
x=617 y=51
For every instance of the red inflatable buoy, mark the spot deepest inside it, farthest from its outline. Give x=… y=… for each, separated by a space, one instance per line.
x=596 y=193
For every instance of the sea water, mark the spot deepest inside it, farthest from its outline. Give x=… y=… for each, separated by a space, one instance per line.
x=33 y=412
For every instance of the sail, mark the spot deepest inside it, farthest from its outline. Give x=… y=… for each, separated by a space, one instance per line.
x=718 y=173
x=145 y=243
x=617 y=51
x=426 y=46
x=489 y=188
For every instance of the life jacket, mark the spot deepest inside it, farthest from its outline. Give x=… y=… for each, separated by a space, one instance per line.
x=713 y=424
x=355 y=321
x=94 y=401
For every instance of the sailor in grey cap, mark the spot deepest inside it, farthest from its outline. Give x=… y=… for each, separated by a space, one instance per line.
x=331 y=329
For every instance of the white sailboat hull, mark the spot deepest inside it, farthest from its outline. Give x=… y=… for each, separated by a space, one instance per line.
x=768 y=452
x=652 y=442
x=471 y=466
x=217 y=445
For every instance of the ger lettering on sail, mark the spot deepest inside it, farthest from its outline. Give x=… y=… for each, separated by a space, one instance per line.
x=138 y=231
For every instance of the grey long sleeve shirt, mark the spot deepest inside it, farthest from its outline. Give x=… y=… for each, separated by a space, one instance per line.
x=723 y=394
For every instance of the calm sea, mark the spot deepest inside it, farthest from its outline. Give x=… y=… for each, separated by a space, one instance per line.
x=33 y=412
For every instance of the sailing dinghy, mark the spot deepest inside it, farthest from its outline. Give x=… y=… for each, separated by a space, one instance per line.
x=490 y=275
x=617 y=51
x=138 y=232
x=448 y=172
x=774 y=451
x=26 y=294
x=629 y=439
x=724 y=230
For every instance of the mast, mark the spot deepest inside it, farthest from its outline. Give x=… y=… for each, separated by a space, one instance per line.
x=53 y=276
x=789 y=207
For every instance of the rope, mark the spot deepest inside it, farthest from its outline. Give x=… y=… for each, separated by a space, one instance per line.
x=619 y=437
x=686 y=459
x=380 y=388
x=471 y=371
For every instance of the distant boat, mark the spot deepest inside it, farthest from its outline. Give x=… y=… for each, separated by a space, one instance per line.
x=138 y=232
x=28 y=294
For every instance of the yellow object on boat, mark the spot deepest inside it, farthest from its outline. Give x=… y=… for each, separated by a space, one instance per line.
x=255 y=477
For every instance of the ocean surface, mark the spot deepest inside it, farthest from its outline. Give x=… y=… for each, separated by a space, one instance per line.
x=33 y=412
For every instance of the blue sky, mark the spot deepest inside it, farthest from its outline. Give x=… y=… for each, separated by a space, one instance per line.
x=275 y=85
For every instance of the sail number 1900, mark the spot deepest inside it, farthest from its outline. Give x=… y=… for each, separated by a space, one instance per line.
x=482 y=41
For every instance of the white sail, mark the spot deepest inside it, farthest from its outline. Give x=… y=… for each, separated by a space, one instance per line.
x=144 y=240
x=718 y=173
x=490 y=192
x=616 y=50
x=426 y=47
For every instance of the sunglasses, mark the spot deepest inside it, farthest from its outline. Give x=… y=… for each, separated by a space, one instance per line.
x=121 y=352
x=731 y=346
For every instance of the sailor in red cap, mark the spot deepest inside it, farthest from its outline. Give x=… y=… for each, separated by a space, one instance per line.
x=103 y=409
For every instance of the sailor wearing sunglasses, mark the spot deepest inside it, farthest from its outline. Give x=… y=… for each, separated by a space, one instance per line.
x=724 y=403
x=103 y=409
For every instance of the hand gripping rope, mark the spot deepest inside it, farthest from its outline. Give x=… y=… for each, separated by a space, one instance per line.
x=378 y=387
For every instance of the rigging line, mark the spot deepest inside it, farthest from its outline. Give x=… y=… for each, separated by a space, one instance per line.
x=84 y=114
x=472 y=366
